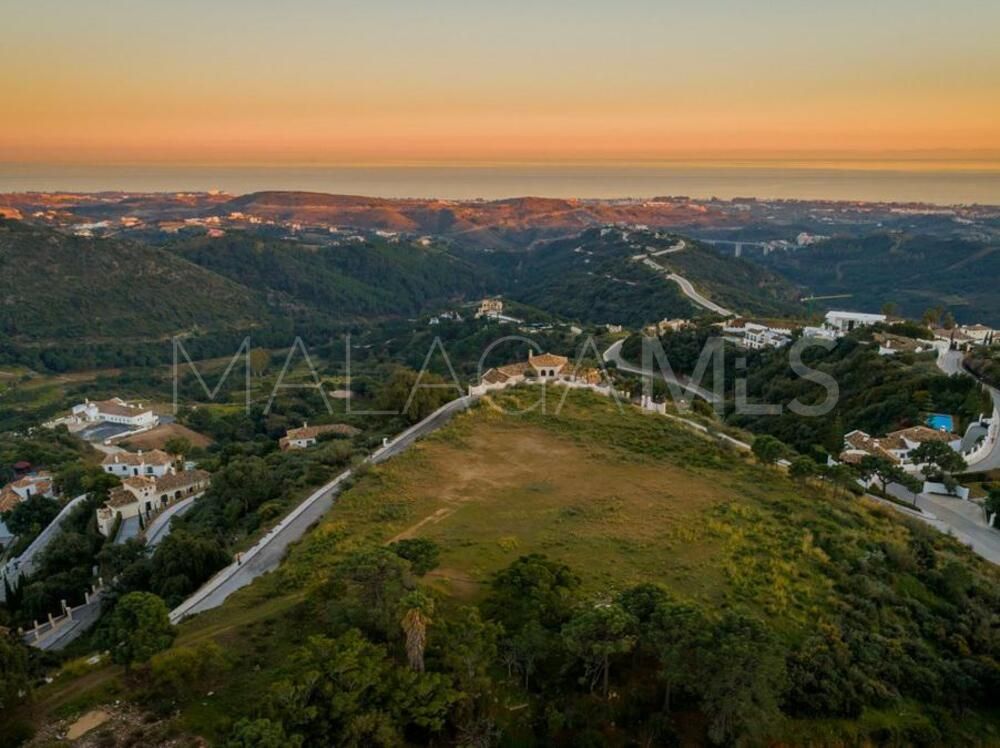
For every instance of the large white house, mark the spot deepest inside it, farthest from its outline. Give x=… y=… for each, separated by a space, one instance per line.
x=845 y=322
x=127 y=464
x=146 y=496
x=838 y=324
x=115 y=410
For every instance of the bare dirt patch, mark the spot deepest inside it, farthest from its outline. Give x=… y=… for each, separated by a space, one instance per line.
x=156 y=438
x=86 y=723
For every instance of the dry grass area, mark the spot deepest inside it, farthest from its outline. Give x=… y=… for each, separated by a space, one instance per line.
x=514 y=489
x=156 y=438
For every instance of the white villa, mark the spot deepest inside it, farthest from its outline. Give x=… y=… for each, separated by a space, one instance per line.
x=489 y=308
x=115 y=410
x=838 y=324
x=35 y=484
x=128 y=464
x=964 y=337
x=146 y=496
x=544 y=367
x=846 y=322
x=307 y=435
x=754 y=335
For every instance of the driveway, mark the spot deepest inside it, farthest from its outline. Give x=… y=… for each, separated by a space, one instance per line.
x=950 y=362
x=964 y=519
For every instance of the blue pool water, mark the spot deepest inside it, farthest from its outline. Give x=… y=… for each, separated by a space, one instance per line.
x=940 y=421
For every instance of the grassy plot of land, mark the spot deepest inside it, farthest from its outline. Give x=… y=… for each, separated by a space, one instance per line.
x=620 y=496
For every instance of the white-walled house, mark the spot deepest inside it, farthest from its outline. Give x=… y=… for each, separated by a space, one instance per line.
x=895 y=446
x=126 y=464
x=115 y=410
x=147 y=496
x=845 y=322
x=34 y=484
x=307 y=435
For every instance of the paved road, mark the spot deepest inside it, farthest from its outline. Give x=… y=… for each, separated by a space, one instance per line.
x=614 y=355
x=269 y=551
x=159 y=528
x=950 y=362
x=678 y=247
x=24 y=565
x=67 y=631
x=697 y=298
x=686 y=288
x=964 y=518
x=992 y=460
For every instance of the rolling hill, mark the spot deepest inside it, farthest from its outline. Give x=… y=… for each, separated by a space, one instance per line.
x=721 y=600
x=595 y=277
x=55 y=287
x=913 y=271
x=339 y=281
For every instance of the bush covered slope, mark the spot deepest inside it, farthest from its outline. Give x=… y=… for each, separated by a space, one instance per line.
x=602 y=576
x=59 y=287
x=914 y=272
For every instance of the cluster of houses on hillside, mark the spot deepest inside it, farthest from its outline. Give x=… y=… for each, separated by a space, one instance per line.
x=151 y=482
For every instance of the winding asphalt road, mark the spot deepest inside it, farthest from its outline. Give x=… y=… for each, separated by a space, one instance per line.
x=686 y=288
x=964 y=519
x=950 y=362
x=268 y=553
x=614 y=355
x=24 y=565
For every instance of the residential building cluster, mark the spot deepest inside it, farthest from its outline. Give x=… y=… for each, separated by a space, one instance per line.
x=152 y=484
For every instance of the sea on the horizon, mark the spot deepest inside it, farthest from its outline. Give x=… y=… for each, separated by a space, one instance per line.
x=928 y=184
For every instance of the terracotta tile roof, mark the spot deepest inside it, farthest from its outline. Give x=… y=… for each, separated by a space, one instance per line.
x=311 y=432
x=139 y=482
x=8 y=499
x=31 y=480
x=921 y=434
x=119 y=497
x=547 y=359
x=862 y=442
x=117 y=408
x=153 y=457
x=182 y=479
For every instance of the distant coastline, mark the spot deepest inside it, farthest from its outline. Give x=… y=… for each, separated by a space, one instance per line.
x=906 y=182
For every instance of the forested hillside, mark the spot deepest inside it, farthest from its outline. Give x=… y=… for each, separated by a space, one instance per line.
x=344 y=281
x=56 y=287
x=594 y=277
x=874 y=393
x=913 y=272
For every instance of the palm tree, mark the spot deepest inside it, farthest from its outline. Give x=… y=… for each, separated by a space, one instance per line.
x=416 y=619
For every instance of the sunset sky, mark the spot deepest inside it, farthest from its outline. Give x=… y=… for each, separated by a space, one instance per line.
x=133 y=81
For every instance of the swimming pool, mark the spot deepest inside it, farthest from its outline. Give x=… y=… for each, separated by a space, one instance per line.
x=940 y=421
